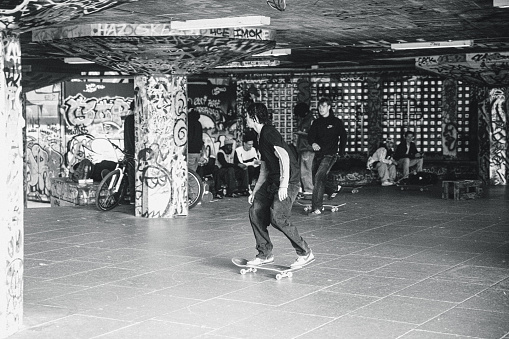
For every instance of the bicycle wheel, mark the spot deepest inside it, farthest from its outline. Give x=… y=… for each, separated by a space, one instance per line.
x=107 y=197
x=194 y=188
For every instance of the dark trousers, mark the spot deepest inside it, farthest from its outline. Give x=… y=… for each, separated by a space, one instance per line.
x=225 y=176
x=321 y=168
x=268 y=209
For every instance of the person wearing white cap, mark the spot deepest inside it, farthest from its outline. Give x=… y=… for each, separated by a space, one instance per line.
x=384 y=163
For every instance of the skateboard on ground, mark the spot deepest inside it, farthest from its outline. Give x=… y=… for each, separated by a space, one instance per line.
x=409 y=187
x=307 y=207
x=354 y=189
x=282 y=270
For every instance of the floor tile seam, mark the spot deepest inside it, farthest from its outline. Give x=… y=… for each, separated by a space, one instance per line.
x=321 y=289
x=102 y=284
x=45 y=323
x=437 y=332
x=305 y=334
x=412 y=246
x=116 y=330
x=437 y=317
x=492 y=286
x=456 y=303
x=506 y=313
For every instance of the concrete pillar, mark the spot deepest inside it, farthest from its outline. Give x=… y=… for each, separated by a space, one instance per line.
x=499 y=150
x=11 y=186
x=161 y=145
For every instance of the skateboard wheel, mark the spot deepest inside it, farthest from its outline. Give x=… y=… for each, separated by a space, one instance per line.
x=422 y=189
x=334 y=209
x=279 y=276
x=355 y=191
x=289 y=274
x=402 y=188
x=254 y=270
x=243 y=271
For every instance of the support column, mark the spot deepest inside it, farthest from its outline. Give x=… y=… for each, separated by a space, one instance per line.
x=161 y=146
x=11 y=186
x=499 y=163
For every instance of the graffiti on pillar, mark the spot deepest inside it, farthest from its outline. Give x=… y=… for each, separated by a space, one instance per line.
x=161 y=138
x=375 y=116
x=499 y=162
x=484 y=133
x=449 y=138
x=11 y=213
x=449 y=118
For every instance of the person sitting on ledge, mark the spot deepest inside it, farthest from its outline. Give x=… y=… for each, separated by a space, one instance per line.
x=407 y=155
x=383 y=162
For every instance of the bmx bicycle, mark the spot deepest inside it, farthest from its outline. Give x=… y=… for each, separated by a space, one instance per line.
x=113 y=186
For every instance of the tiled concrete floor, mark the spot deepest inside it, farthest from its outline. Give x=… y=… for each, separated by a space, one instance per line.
x=390 y=264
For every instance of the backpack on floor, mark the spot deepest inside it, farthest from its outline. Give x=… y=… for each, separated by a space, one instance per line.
x=82 y=170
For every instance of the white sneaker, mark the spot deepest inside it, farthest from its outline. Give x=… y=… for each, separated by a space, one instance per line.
x=387 y=183
x=303 y=260
x=259 y=261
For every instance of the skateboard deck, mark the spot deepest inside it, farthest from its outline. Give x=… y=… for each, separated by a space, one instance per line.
x=407 y=187
x=281 y=270
x=307 y=207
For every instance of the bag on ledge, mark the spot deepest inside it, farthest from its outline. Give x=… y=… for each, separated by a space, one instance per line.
x=82 y=170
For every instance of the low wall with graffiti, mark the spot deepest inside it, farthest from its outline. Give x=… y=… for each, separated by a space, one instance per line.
x=351 y=171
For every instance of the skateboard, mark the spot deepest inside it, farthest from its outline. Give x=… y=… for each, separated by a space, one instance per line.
x=307 y=207
x=354 y=189
x=282 y=270
x=414 y=187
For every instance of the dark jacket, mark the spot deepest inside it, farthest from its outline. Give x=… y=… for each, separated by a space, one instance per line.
x=330 y=134
x=194 y=133
x=302 y=129
x=401 y=151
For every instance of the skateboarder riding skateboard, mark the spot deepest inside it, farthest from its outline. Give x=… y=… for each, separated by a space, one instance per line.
x=275 y=191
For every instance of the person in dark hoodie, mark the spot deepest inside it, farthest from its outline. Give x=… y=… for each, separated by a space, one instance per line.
x=194 y=139
x=327 y=136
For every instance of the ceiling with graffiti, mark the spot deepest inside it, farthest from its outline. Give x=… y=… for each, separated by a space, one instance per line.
x=323 y=35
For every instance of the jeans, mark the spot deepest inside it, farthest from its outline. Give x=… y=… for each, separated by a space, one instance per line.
x=268 y=209
x=306 y=170
x=321 y=168
x=386 y=171
x=406 y=163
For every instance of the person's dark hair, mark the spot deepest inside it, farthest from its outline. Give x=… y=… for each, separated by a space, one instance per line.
x=259 y=111
x=324 y=99
x=409 y=132
x=301 y=109
x=248 y=136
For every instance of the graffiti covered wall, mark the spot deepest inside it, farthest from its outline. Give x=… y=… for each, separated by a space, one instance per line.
x=215 y=100
x=11 y=186
x=93 y=115
x=161 y=145
x=45 y=146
